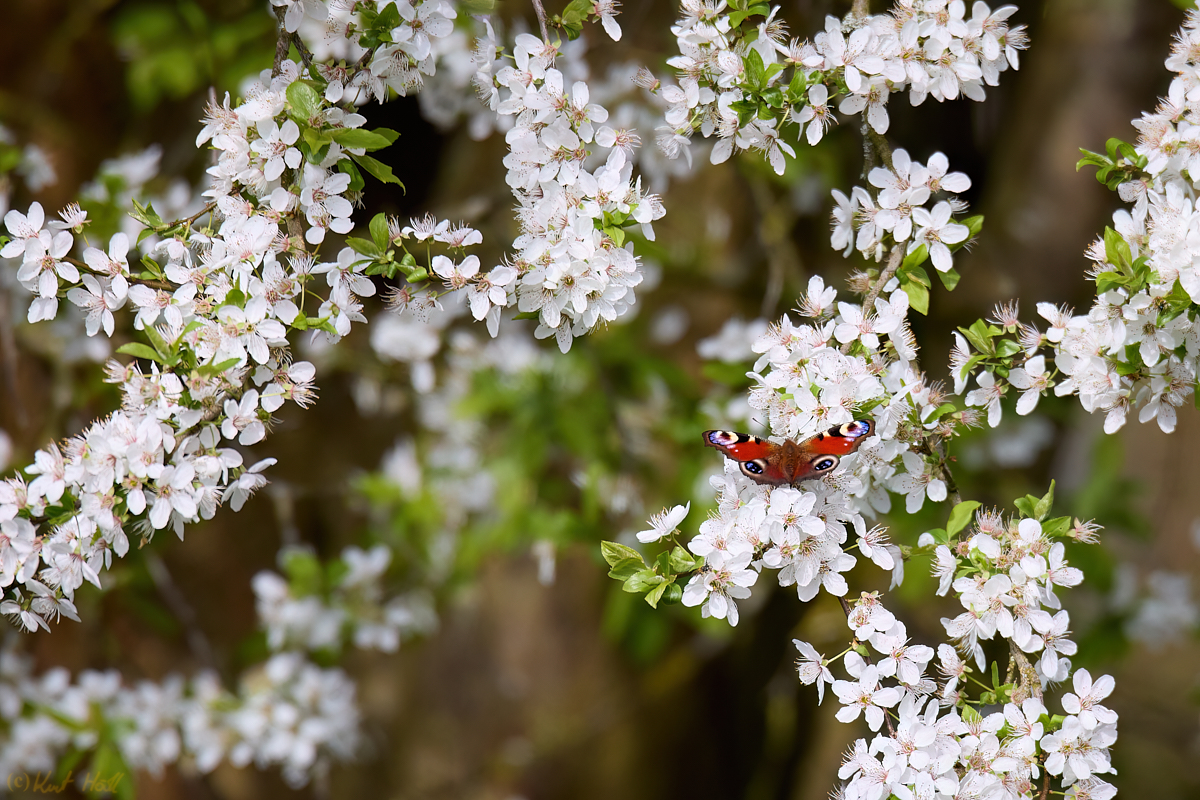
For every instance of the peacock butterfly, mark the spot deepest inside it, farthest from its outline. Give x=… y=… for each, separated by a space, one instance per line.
x=791 y=462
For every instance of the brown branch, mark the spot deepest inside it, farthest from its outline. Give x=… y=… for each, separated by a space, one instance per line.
x=282 y=40
x=774 y=229
x=541 y=15
x=895 y=259
x=948 y=477
x=189 y=220
x=9 y=356
x=1028 y=685
x=183 y=611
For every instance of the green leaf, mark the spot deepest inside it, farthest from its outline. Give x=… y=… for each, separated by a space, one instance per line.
x=1043 y=506
x=139 y=350
x=379 y=231
x=417 y=274
x=980 y=336
x=974 y=224
x=1057 y=526
x=304 y=573
x=1006 y=348
x=377 y=27
x=683 y=561
x=673 y=594
x=379 y=170
x=941 y=411
x=1109 y=280
x=304 y=98
x=387 y=133
x=626 y=568
x=1116 y=249
x=655 y=594
x=364 y=247
x=356 y=179
x=211 y=370
x=616 y=234
x=576 y=12
x=317 y=141
x=940 y=535
x=614 y=552
x=110 y=774
x=961 y=516
x=642 y=581
x=153 y=268
x=147 y=215
x=949 y=278
x=918 y=295
x=1026 y=506
x=915 y=259
x=235 y=297
x=159 y=343
x=360 y=139
x=756 y=74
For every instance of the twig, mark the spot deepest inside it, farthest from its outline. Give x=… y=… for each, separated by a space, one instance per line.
x=183 y=611
x=948 y=477
x=895 y=259
x=774 y=226
x=8 y=349
x=881 y=146
x=207 y=208
x=1030 y=685
x=860 y=9
x=541 y=15
x=282 y=40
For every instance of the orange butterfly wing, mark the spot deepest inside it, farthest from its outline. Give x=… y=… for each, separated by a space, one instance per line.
x=789 y=463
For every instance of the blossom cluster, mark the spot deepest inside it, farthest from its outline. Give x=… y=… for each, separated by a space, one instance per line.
x=746 y=83
x=939 y=741
x=287 y=712
x=897 y=215
x=354 y=609
x=216 y=305
x=1138 y=347
x=441 y=467
x=810 y=378
x=398 y=58
x=572 y=268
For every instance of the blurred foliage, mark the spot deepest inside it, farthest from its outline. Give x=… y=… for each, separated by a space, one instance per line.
x=176 y=50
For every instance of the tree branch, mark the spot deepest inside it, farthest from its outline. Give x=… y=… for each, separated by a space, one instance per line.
x=541 y=15
x=197 y=642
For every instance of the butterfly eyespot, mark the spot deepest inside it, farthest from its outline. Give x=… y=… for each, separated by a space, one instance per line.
x=825 y=463
x=753 y=467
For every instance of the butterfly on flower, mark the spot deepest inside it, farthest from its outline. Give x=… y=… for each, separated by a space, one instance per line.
x=789 y=463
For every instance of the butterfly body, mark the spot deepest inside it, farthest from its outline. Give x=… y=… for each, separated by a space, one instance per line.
x=789 y=463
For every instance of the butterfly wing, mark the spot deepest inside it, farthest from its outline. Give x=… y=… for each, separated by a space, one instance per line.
x=822 y=453
x=757 y=458
x=789 y=463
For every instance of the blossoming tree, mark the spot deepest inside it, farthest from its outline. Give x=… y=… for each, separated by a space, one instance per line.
x=229 y=297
